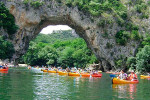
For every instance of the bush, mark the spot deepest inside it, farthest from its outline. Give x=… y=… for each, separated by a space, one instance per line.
x=118 y=63
x=141 y=7
x=131 y=62
x=108 y=45
x=6 y=49
x=146 y=40
x=130 y=26
x=7 y=20
x=122 y=37
x=26 y=2
x=143 y=59
x=148 y=2
x=135 y=35
x=36 y=4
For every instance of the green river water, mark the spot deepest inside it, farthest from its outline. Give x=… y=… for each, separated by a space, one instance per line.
x=24 y=84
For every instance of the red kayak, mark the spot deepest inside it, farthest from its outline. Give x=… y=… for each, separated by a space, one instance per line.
x=4 y=69
x=96 y=75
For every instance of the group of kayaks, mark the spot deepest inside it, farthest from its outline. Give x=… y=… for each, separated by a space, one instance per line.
x=74 y=74
x=115 y=80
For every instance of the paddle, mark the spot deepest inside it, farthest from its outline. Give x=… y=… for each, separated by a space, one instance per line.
x=112 y=75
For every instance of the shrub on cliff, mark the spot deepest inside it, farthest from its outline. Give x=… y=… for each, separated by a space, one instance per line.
x=7 y=20
x=122 y=37
x=143 y=59
x=6 y=49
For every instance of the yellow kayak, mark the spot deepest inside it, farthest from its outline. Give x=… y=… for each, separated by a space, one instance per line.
x=73 y=74
x=44 y=70
x=52 y=71
x=100 y=71
x=119 y=81
x=62 y=73
x=144 y=76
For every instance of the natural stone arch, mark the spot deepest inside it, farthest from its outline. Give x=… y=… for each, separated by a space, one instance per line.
x=31 y=20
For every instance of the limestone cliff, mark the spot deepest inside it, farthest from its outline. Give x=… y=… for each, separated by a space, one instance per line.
x=100 y=37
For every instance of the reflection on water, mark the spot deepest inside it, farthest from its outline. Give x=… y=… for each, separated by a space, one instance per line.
x=3 y=72
x=125 y=90
x=24 y=84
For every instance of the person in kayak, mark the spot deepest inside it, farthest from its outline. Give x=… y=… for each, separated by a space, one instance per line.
x=132 y=76
x=122 y=75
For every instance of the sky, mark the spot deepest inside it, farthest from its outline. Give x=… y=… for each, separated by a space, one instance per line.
x=49 y=29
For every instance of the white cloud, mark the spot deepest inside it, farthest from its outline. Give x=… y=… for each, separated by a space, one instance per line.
x=51 y=28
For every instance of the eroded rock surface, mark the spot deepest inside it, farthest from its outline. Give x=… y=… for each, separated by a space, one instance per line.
x=31 y=20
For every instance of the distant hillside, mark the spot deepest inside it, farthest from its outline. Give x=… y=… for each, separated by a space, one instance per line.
x=56 y=36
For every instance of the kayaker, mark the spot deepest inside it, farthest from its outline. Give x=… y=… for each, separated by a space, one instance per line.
x=1 y=66
x=122 y=75
x=132 y=76
x=68 y=69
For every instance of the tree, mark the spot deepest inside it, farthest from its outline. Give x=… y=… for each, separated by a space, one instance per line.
x=66 y=58
x=143 y=59
x=49 y=55
x=6 y=49
x=131 y=62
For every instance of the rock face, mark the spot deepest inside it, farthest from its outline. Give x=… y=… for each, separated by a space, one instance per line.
x=31 y=20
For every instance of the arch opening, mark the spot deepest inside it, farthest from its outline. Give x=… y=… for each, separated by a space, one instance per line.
x=59 y=45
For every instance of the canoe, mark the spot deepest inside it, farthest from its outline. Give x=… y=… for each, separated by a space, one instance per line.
x=119 y=81
x=4 y=69
x=144 y=76
x=85 y=74
x=51 y=71
x=96 y=75
x=44 y=70
x=62 y=73
x=73 y=74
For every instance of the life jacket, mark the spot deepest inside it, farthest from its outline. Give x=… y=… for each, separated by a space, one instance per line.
x=133 y=76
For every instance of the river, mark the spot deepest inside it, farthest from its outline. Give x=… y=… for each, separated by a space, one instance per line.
x=24 y=84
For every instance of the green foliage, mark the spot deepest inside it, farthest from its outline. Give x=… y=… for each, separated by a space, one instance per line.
x=36 y=4
x=141 y=62
x=105 y=35
x=148 y=2
x=141 y=7
x=26 y=2
x=118 y=63
x=131 y=62
x=106 y=20
x=122 y=37
x=97 y=7
x=108 y=45
x=55 y=36
x=131 y=26
x=146 y=40
x=7 y=20
x=6 y=49
x=71 y=51
x=48 y=54
x=143 y=59
x=135 y=35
